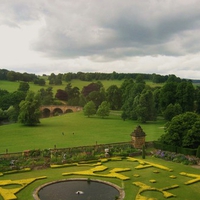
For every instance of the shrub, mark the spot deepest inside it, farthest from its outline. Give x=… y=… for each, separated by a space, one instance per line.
x=179 y=158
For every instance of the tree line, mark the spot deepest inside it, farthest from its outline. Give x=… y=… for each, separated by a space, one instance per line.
x=57 y=79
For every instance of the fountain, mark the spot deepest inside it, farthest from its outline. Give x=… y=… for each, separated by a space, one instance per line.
x=78 y=189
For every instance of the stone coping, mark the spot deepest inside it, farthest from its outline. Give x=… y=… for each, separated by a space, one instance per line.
x=121 y=191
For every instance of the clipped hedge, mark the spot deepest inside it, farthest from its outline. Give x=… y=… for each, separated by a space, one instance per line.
x=171 y=148
x=165 y=147
x=198 y=152
x=186 y=151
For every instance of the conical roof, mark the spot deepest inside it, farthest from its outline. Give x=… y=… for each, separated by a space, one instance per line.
x=138 y=132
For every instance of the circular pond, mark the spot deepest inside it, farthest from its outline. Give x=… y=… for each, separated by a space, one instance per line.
x=78 y=189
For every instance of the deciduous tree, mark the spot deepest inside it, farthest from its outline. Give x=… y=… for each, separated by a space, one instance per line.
x=183 y=130
x=23 y=86
x=104 y=109
x=29 y=109
x=89 y=109
x=114 y=97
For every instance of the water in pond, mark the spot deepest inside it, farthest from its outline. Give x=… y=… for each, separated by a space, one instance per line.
x=67 y=190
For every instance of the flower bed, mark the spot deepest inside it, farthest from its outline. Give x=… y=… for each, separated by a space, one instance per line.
x=195 y=176
x=95 y=167
x=144 y=187
x=9 y=194
x=145 y=164
x=113 y=173
x=179 y=158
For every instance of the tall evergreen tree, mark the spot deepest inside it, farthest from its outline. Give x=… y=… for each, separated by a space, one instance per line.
x=185 y=94
x=114 y=97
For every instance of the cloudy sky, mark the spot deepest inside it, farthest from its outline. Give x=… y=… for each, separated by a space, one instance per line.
x=136 y=36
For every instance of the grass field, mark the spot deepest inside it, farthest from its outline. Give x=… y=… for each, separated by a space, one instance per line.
x=87 y=131
x=162 y=178
x=13 y=86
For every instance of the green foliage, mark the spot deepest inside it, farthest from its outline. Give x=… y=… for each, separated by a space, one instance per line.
x=29 y=110
x=97 y=97
x=114 y=97
x=167 y=94
x=23 y=86
x=11 y=99
x=130 y=98
x=46 y=96
x=89 y=109
x=55 y=79
x=197 y=99
x=183 y=131
x=185 y=95
x=40 y=81
x=2 y=115
x=138 y=101
x=73 y=94
x=175 y=149
x=171 y=111
x=145 y=109
x=103 y=109
x=12 y=113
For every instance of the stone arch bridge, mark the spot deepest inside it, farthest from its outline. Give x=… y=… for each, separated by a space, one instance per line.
x=53 y=110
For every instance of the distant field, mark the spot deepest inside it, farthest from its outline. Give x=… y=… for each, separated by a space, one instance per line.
x=13 y=86
x=150 y=83
x=9 y=86
x=87 y=131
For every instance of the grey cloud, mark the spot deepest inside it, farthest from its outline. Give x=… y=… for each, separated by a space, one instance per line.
x=108 y=30
x=118 y=29
x=14 y=13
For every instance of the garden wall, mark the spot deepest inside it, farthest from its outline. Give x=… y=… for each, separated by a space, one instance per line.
x=44 y=158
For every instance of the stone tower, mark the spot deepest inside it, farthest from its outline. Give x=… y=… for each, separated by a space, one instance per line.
x=138 y=137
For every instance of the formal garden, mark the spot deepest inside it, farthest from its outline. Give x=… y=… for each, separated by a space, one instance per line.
x=140 y=178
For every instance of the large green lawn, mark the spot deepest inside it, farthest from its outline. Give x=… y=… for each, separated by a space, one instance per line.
x=78 y=130
x=162 y=178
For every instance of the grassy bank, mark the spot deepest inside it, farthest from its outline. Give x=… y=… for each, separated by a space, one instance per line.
x=78 y=130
